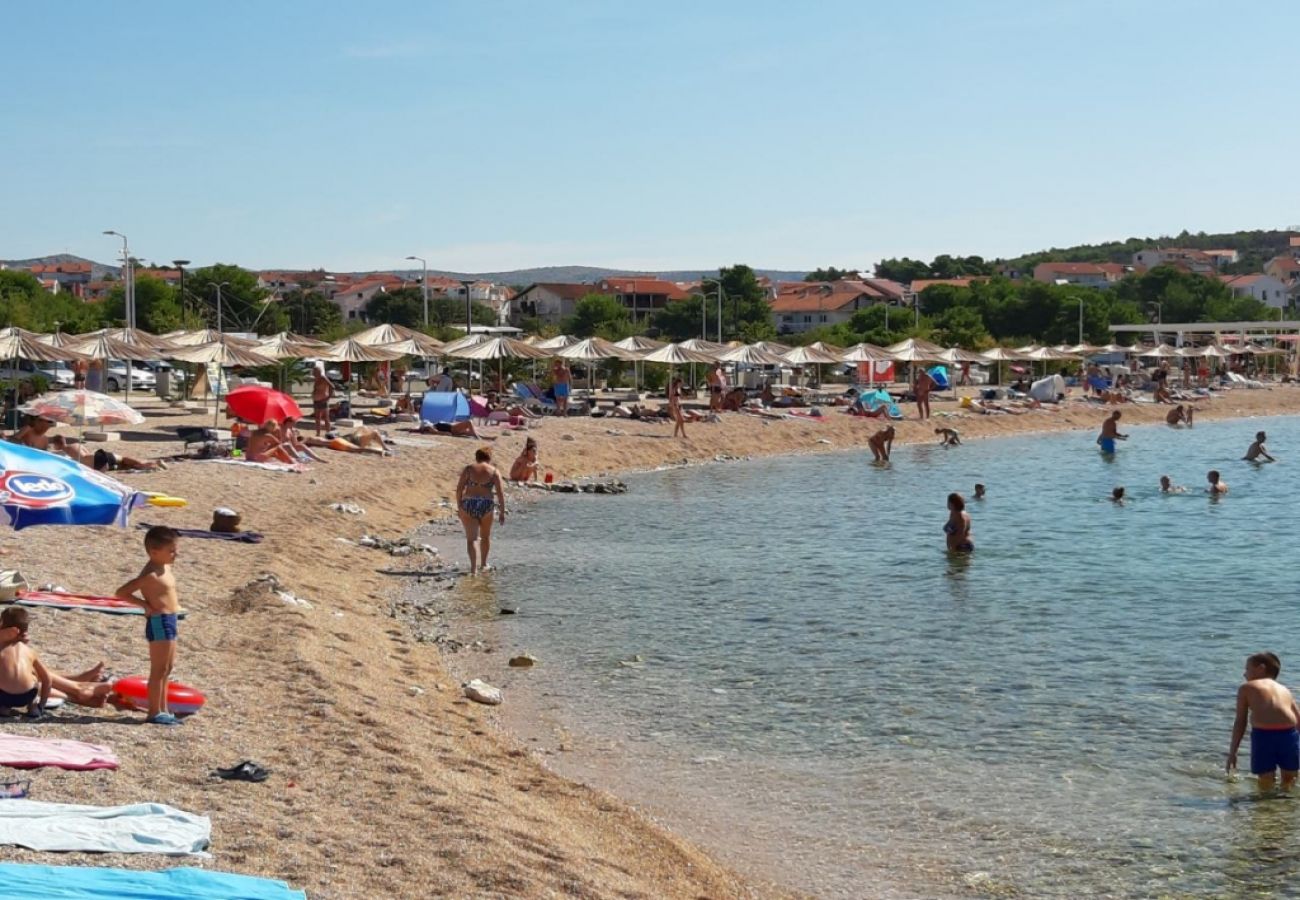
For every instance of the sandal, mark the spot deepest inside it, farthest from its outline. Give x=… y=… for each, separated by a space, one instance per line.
x=163 y=719
x=244 y=771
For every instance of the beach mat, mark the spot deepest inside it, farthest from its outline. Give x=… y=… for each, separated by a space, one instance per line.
x=269 y=466
x=28 y=882
x=22 y=752
x=239 y=537
x=87 y=602
x=136 y=828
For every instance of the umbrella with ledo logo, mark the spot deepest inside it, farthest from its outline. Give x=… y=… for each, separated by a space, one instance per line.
x=40 y=488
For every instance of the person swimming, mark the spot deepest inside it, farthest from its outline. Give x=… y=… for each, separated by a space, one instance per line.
x=979 y=492
x=1217 y=485
x=1256 y=450
x=1168 y=487
x=1117 y=496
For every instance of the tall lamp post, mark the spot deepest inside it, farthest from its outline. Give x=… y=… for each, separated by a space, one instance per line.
x=1080 y=320
x=181 y=264
x=218 y=288
x=128 y=280
x=721 y=295
x=424 y=283
x=469 y=315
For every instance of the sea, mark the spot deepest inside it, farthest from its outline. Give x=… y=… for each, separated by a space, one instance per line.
x=778 y=658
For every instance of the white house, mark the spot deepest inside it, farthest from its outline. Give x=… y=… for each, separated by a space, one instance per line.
x=1264 y=288
x=549 y=302
x=802 y=306
x=352 y=299
x=1189 y=259
x=1096 y=275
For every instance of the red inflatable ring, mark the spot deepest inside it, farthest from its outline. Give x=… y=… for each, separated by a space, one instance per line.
x=133 y=693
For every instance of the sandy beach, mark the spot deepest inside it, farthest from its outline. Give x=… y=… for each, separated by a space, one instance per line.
x=386 y=781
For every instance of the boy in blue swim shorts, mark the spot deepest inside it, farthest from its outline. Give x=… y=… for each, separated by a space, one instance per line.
x=1273 y=716
x=156 y=587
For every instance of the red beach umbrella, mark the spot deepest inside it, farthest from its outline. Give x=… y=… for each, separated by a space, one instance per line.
x=254 y=403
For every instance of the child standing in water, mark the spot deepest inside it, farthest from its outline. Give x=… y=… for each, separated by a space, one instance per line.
x=157 y=586
x=1273 y=716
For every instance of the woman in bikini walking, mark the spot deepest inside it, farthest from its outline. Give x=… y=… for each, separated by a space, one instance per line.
x=479 y=492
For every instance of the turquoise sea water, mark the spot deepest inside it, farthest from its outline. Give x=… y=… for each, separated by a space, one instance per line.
x=823 y=692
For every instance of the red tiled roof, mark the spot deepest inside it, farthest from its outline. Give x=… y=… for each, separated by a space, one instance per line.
x=655 y=286
x=1285 y=263
x=60 y=268
x=1241 y=280
x=1117 y=269
x=801 y=296
x=1067 y=268
x=921 y=284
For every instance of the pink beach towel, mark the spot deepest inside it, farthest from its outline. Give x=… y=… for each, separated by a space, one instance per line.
x=22 y=752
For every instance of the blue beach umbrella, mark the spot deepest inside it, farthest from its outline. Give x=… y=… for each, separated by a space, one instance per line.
x=39 y=488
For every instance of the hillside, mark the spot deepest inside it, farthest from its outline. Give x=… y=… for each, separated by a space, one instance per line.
x=1255 y=247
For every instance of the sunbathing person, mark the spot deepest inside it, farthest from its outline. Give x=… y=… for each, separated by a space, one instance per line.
x=514 y=410
x=292 y=440
x=107 y=460
x=36 y=434
x=525 y=466
x=88 y=688
x=734 y=399
x=455 y=429
x=264 y=445
x=363 y=440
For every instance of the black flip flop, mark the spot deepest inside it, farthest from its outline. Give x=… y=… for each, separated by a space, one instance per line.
x=244 y=771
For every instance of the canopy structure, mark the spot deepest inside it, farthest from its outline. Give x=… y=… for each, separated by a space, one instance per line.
x=958 y=355
x=865 y=352
x=1082 y=348
x=420 y=345
x=223 y=352
x=103 y=346
x=1209 y=350
x=915 y=350
x=134 y=337
x=287 y=346
x=1114 y=348
x=81 y=408
x=349 y=351
x=60 y=339
x=808 y=356
x=823 y=347
x=1159 y=351
x=677 y=355
x=638 y=343
x=751 y=355
x=384 y=334
x=203 y=336
x=559 y=342
x=1042 y=354
x=497 y=348
x=469 y=340
x=19 y=344
x=773 y=347
x=1003 y=354
x=594 y=348
x=254 y=403
x=699 y=345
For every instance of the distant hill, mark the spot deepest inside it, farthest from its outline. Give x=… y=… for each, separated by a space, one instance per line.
x=97 y=270
x=1255 y=247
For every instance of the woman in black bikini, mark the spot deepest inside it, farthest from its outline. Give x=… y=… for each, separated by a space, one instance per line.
x=957 y=529
x=475 y=503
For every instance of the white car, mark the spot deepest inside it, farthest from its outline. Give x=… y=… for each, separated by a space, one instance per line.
x=115 y=377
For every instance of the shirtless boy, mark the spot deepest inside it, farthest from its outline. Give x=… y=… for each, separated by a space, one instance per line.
x=950 y=437
x=1257 y=450
x=156 y=587
x=1110 y=434
x=1217 y=484
x=22 y=677
x=1273 y=716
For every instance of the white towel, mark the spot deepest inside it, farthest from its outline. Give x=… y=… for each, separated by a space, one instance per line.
x=138 y=828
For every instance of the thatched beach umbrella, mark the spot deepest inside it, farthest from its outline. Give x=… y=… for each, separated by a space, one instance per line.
x=559 y=342
x=19 y=344
x=593 y=349
x=222 y=353
x=1159 y=351
x=751 y=355
x=639 y=343
x=498 y=348
x=204 y=336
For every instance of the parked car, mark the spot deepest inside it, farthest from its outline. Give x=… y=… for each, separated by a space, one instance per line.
x=115 y=377
x=25 y=370
x=58 y=374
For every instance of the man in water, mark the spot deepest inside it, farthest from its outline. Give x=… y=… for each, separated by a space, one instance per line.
x=1168 y=487
x=1110 y=434
x=1217 y=485
x=1117 y=496
x=979 y=492
x=1273 y=716
x=1257 y=449
x=1178 y=415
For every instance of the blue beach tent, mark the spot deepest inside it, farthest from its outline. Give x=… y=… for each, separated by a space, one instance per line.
x=940 y=376
x=444 y=406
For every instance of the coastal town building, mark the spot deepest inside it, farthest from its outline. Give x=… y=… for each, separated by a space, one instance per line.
x=549 y=302
x=1199 y=261
x=1094 y=275
x=801 y=306
x=641 y=296
x=920 y=284
x=1262 y=287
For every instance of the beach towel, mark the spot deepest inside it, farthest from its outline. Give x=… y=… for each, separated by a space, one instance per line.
x=444 y=406
x=242 y=537
x=22 y=752
x=269 y=466
x=66 y=600
x=28 y=882
x=137 y=828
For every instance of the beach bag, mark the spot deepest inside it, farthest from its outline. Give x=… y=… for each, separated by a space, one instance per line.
x=11 y=582
x=225 y=521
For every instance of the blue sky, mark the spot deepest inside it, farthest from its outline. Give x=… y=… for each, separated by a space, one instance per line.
x=492 y=135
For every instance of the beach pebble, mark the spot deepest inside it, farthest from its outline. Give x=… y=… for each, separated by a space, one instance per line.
x=350 y=508
x=523 y=661
x=416 y=690
x=481 y=692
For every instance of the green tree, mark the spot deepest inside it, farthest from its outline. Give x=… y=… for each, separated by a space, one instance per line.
x=830 y=273
x=880 y=324
x=25 y=303
x=597 y=314
x=904 y=270
x=312 y=313
x=403 y=306
x=447 y=311
x=242 y=301
x=746 y=312
x=679 y=320
x=961 y=326
x=157 y=306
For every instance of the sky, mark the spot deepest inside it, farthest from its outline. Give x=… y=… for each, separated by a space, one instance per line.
x=488 y=135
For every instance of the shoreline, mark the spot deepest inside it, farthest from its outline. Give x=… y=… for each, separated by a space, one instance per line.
x=347 y=708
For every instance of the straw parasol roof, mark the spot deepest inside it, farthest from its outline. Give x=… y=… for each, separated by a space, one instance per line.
x=203 y=336
x=134 y=337
x=348 y=350
x=101 y=345
x=915 y=350
x=1159 y=351
x=559 y=342
x=1115 y=348
x=282 y=346
x=699 y=345
x=1003 y=354
x=751 y=355
x=594 y=348
x=498 y=348
x=224 y=353
x=807 y=356
x=677 y=355
x=865 y=352
x=19 y=344
x=417 y=345
x=1042 y=354
x=379 y=335
x=60 y=339
x=958 y=355
x=774 y=347
x=469 y=340
x=1082 y=348
x=824 y=347
x=638 y=343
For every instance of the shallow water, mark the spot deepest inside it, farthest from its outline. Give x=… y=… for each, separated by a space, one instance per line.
x=835 y=701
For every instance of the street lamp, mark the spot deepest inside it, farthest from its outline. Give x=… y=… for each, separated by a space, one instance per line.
x=469 y=317
x=128 y=278
x=219 y=287
x=1080 y=320
x=181 y=264
x=424 y=282
x=1160 y=308
x=721 y=295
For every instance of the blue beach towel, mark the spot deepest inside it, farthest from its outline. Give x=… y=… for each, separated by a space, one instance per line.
x=21 y=882
x=444 y=406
